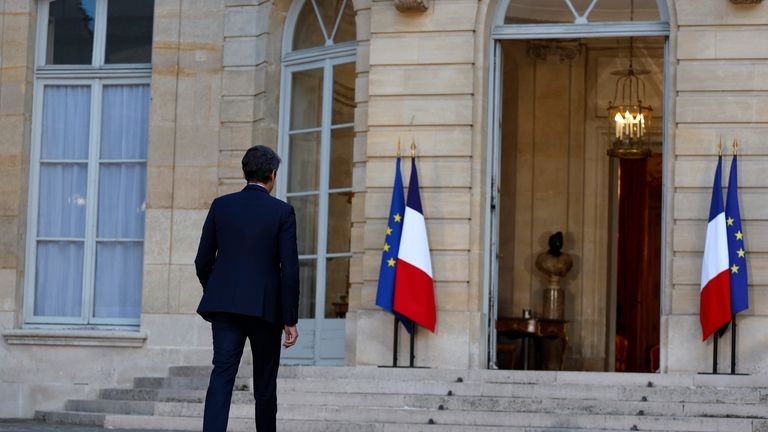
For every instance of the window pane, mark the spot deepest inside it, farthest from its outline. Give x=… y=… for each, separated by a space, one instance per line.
x=342 y=147
x=122 y=189
x=66 y=122
x=306 y=223
x=343 y=93
x=307 y=282
x=346 y=31
x=621 y=10
x=62 y=200
x=337 y=287
x=339 y=222
x=538 y=11
x=129 y=31
x=118 y=279
x=308 y=33
x=59 y=279
x=307 y=99
x=70 y=32
x=304 y=163
x=125 y=122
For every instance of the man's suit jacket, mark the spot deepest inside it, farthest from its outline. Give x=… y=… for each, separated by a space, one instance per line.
x=247 y=261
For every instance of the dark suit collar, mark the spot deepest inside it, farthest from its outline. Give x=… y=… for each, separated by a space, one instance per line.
x=260 y=188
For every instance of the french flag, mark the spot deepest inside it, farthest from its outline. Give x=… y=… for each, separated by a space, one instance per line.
x=715 y=305
x=414 y=289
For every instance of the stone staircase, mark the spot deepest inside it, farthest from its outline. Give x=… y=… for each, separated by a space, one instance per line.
x=347 y=399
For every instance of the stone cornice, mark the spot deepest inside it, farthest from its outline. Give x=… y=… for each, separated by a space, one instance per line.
x=75 y=338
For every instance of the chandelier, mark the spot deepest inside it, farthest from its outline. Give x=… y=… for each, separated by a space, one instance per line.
x=629 y=120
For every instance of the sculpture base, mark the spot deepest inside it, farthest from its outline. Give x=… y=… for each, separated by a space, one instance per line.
x=554 y=304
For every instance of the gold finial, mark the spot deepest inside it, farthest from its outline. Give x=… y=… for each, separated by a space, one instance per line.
x=398 y=146
x=413 y=147
x=720 y=147
x=735 y=146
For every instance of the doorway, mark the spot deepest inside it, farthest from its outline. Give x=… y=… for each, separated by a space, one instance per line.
x=553 y=174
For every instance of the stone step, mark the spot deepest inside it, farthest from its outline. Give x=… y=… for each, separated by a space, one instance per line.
x=181 y=382
x=405 y=418
x=192 y=405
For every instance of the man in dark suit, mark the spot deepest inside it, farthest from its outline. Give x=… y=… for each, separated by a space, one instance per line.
x=248 y=265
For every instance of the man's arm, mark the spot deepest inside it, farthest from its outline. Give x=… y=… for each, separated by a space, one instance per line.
x=206 y=251
x=289 y=268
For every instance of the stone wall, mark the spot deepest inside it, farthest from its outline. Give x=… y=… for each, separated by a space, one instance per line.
x=720 y=76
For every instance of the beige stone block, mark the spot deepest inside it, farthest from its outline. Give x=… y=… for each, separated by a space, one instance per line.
x=231 y=165
x=751 y=355
x=430 y=141
x=733 y=43
x=157 y=236
x=11 y=406
x=170 y=330
x=198 y=101
x=12 y=97
x=732 y=75
x=447 y=347
x=197 y=146
x=12 y=138
x=358 y=208
x=433 y=172
x=230 y=186
x=154 y=295
x=10 y=186
x=8 y=290
x=686 y=269
x=186 y=288
x=714 y=12
x=246 y=81
x=722 y=108
x=243 y=2
x=241 y=108
x=421 y=80
x=361 y=88
x=361 y=5
x=694 y=205
x=236 y=136
x=363 y=59
x=17 y=44
x=422 y=110
x=358 y=177
x=187 y=226
x=162 y=143
x=373 y=345
x=695 y=44
x=454 y=203
x=166 y=26
x=164 y=98
x=685 y=299
x=452 y=296
x=248 y=20
x=159 y=187
x=9 y=240
x=689 y=236
x=200 y=60
x=202 y=22
x=442 y=234
x=245 y=51
x=685 y=351
x=445 y=15
x=194 y=187
x=360 y=151
x=361 y=117
x=363 y=24
x=356 y=269
x=702 y=140
x=423 y=48
x=690 y=172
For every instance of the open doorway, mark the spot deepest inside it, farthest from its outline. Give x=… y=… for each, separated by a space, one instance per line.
x=555 y=176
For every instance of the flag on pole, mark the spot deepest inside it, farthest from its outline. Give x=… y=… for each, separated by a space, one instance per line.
x=414 y=289
x=715 y=303
x=736 y=249
x=386 y=291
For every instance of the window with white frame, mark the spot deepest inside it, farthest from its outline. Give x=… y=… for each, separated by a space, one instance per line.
x=316 y=141
x=88 y=162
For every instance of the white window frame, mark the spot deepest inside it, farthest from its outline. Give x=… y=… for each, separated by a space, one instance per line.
x=324 y=58
x=96 y=76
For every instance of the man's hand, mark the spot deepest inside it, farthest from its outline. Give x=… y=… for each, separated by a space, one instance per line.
x=291 y=335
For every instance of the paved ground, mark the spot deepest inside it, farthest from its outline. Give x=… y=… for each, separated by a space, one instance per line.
x=33 y=426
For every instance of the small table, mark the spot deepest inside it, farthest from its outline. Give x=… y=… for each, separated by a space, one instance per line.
x=537 y=328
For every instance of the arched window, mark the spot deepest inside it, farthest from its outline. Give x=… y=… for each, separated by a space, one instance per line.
x=316 y=143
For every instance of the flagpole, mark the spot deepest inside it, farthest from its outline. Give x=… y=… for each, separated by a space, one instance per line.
x=413 y=336
x=714 y=353
x=396 y=333
x=733 y=346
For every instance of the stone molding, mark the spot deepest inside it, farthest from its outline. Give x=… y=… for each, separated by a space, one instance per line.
x=746 y=1
x=102 y=338
x=412 y=5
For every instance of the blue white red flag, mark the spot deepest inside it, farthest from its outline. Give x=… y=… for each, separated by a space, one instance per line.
x=414 y=288
x=736 y=249
x=386 y=290
x=715 y=303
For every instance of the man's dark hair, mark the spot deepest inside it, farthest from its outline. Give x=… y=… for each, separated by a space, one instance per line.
x=258 y=163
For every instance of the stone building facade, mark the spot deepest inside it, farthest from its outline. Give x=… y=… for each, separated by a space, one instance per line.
x=219 y=82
